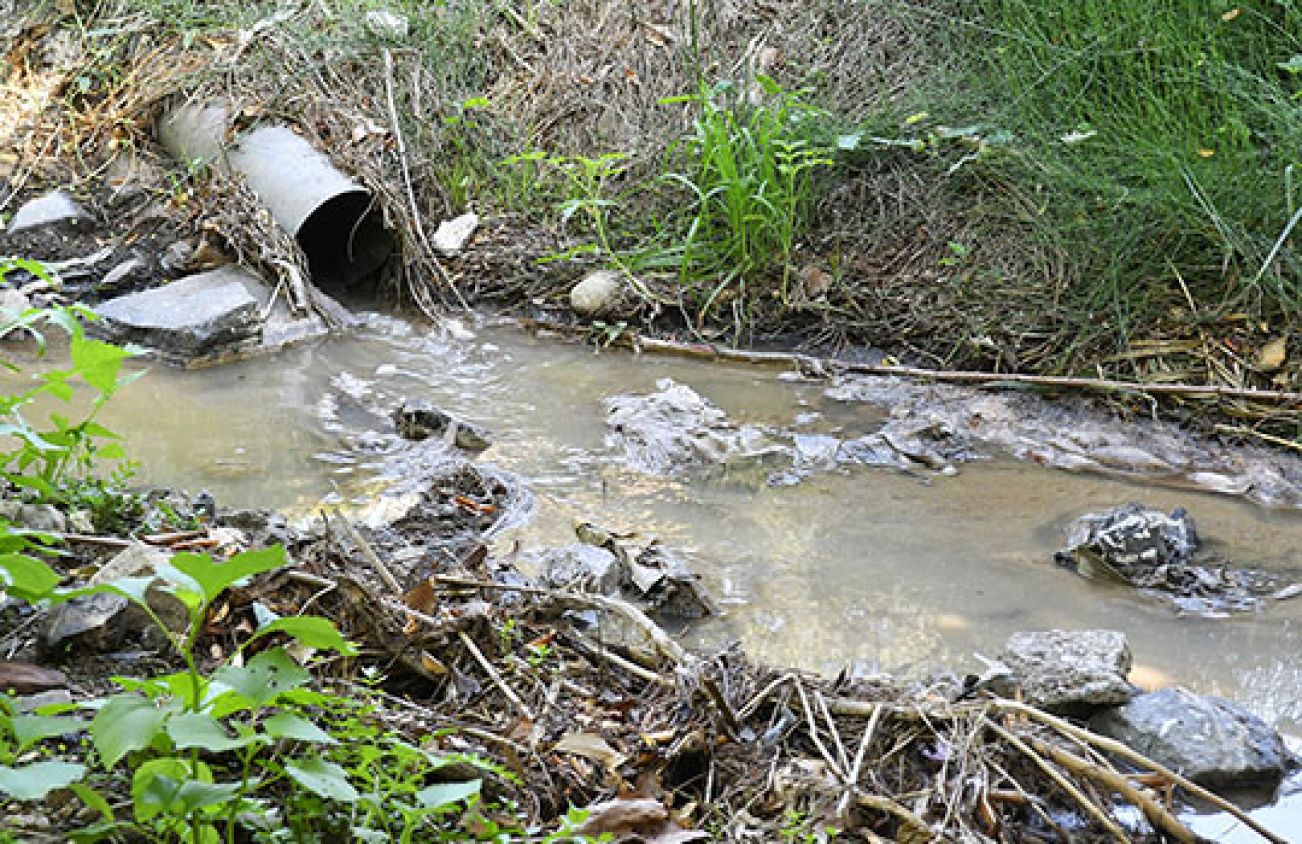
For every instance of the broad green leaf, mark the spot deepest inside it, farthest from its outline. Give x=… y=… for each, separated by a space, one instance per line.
x=26 y=578
x=312 y=631
x=29 y=729
x=447 y=793
x=267 y=675
x=322 y=778
x=155 y=784
x=196 y=729
x=286 y=725
x=34 y=781
x=127 y=722
x=97 y=362
x=214 y=577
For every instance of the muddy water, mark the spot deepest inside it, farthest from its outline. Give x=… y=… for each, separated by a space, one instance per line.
x=869 y=568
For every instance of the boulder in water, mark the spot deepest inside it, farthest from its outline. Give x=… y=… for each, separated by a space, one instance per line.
x=1212 y=741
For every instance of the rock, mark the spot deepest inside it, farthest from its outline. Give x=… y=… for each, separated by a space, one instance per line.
x=383 y=23
x=126 y=273
x=675 y=428
x=664 y=581
x=1067 y=670
x=1150 y=550
x=190 y=318
x=1132 y=536
x=45 y=210
x=95 y=623
x=420 y=420
x=1212 y=741
x=13 y=303
x=145 y=561
x=452 y=235
x=43 y=517
x=581 y=566
x=176 y=257
x=603 y=294
x=24 y=678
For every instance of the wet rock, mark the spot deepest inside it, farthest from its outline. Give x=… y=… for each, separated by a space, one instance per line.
x=45 y=210
x=1078 y=436
x=1132 y=537
x=452 y=235
x=675 y=428
x=221 y=314
x=581 y=566
x=1212 y=741
x=668 y=586
x=420 y=420
x=603 y=294
x=1160 y=554
x=190 y=318
x=652 y=576
x=96 y=623
x=24 y=678
x=1069 y=670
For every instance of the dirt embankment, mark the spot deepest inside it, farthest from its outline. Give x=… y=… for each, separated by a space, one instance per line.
x=443 y=109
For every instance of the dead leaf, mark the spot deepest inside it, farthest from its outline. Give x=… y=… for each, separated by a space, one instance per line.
x=815 y=281
x=1271 y=356
x=431 y=664
x=591 y=746
x=622 y=817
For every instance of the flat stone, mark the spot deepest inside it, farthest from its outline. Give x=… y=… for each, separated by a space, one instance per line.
x=420 y=420
x=189 y=318
x=13 y=303
x=1068 y=670
x=145 y=561
x=1212 y=741
x=45 y=210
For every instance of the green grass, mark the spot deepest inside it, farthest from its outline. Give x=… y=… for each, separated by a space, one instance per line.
x=1158 y=144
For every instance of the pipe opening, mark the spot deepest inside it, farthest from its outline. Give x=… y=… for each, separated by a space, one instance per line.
x=345 y=242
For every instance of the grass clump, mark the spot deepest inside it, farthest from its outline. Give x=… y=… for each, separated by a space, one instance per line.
x=1156 y=145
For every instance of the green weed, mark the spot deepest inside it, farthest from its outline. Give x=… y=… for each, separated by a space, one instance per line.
x=748 y=171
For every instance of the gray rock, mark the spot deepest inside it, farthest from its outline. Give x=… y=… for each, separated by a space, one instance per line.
x=132 y=269
x=12 y=303
x=1212 y=741
x=1067 y=670
x=603 y=294
x=452 y=235
x=675 y=428
x=1133 y=536
x=581 y=566
x=45 y=210
x=89 y=622
x=43 y=517
x=176 y=257
x=145 y=561
x=420 y=420
x=668 y=586
x=190 y=318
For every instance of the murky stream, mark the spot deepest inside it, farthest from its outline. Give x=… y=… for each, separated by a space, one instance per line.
x=867 y=567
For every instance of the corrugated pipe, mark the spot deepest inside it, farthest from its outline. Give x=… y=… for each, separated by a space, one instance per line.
x=334 y=219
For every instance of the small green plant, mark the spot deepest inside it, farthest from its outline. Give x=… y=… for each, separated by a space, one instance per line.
x=749 y=172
